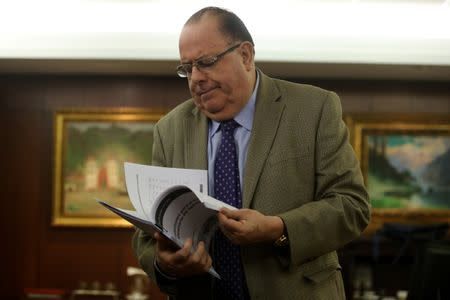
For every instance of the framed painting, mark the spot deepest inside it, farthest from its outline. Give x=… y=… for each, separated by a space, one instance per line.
x=90 y=148
x=405 y=160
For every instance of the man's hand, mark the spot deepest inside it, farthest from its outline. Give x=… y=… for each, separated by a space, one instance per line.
x=248 y=226
x=181 y=262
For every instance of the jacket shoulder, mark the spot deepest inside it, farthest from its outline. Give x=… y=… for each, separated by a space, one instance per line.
x=300 y=89
x=180 y=112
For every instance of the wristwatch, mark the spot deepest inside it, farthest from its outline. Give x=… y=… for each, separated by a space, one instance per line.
x=283 y=240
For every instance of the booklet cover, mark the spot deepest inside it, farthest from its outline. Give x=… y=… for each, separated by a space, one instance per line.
x=171 y=201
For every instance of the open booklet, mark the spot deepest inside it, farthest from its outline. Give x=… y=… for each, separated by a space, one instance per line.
x=171 y=201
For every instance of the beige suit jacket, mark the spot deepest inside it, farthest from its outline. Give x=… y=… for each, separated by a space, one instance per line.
x=301 y=167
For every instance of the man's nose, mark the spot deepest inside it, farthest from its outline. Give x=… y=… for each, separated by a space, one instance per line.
x=197 y=74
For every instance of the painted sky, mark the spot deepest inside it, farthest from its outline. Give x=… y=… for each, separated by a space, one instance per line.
x=413 y=153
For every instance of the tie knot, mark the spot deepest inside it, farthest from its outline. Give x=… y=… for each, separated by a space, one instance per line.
x=229 y=125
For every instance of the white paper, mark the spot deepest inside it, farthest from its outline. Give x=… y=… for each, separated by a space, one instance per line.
x=144 y=183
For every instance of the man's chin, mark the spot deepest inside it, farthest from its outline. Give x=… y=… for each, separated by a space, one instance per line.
x=218 y=115
x=215 y=109
x=212 y=107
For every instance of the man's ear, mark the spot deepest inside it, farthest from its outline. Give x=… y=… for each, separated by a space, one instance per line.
x=248 y=55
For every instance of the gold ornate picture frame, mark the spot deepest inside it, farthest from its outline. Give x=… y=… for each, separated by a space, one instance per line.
x=90 y=147
x=405 y=160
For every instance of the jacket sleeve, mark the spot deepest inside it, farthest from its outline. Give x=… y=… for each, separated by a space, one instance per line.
x=340 y=209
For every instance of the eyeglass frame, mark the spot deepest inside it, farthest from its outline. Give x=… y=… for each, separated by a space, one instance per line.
x=181 y=69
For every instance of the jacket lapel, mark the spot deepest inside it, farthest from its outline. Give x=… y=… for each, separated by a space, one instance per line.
x=196 y=141
x=268 y=111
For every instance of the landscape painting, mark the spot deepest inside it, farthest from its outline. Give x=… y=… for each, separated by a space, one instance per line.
x=405 y=162
x=409 y=171
x=91 y=148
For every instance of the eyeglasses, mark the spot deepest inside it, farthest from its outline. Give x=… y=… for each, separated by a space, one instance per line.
x=185 y=70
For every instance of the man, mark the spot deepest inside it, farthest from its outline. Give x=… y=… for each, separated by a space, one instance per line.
x=300 y=188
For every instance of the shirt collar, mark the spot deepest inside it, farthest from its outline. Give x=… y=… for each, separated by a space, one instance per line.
x=245 y=116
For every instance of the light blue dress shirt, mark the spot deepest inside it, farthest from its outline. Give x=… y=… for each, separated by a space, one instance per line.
x=241 y=137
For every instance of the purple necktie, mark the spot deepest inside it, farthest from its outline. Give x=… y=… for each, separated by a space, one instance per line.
x=227 y=258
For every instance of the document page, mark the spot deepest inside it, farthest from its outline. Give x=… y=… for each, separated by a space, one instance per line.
x=180 y=212
x=144 y=184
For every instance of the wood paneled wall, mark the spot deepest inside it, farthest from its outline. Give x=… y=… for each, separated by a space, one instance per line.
x=38 y=255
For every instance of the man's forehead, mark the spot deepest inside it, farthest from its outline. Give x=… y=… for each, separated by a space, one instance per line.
x=200 y=39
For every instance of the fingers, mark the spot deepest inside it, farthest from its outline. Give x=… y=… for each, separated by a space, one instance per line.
x=233 y=214
x=242 y=226
x=201 y=257
x=230 y=218
x=169 y=256
x=233 y=221
x=184 y=261
x=182 y=255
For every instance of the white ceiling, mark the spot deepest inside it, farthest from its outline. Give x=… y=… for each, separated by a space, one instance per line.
x=365 y=38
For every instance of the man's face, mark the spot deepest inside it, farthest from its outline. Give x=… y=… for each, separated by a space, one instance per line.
x=222 y=90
